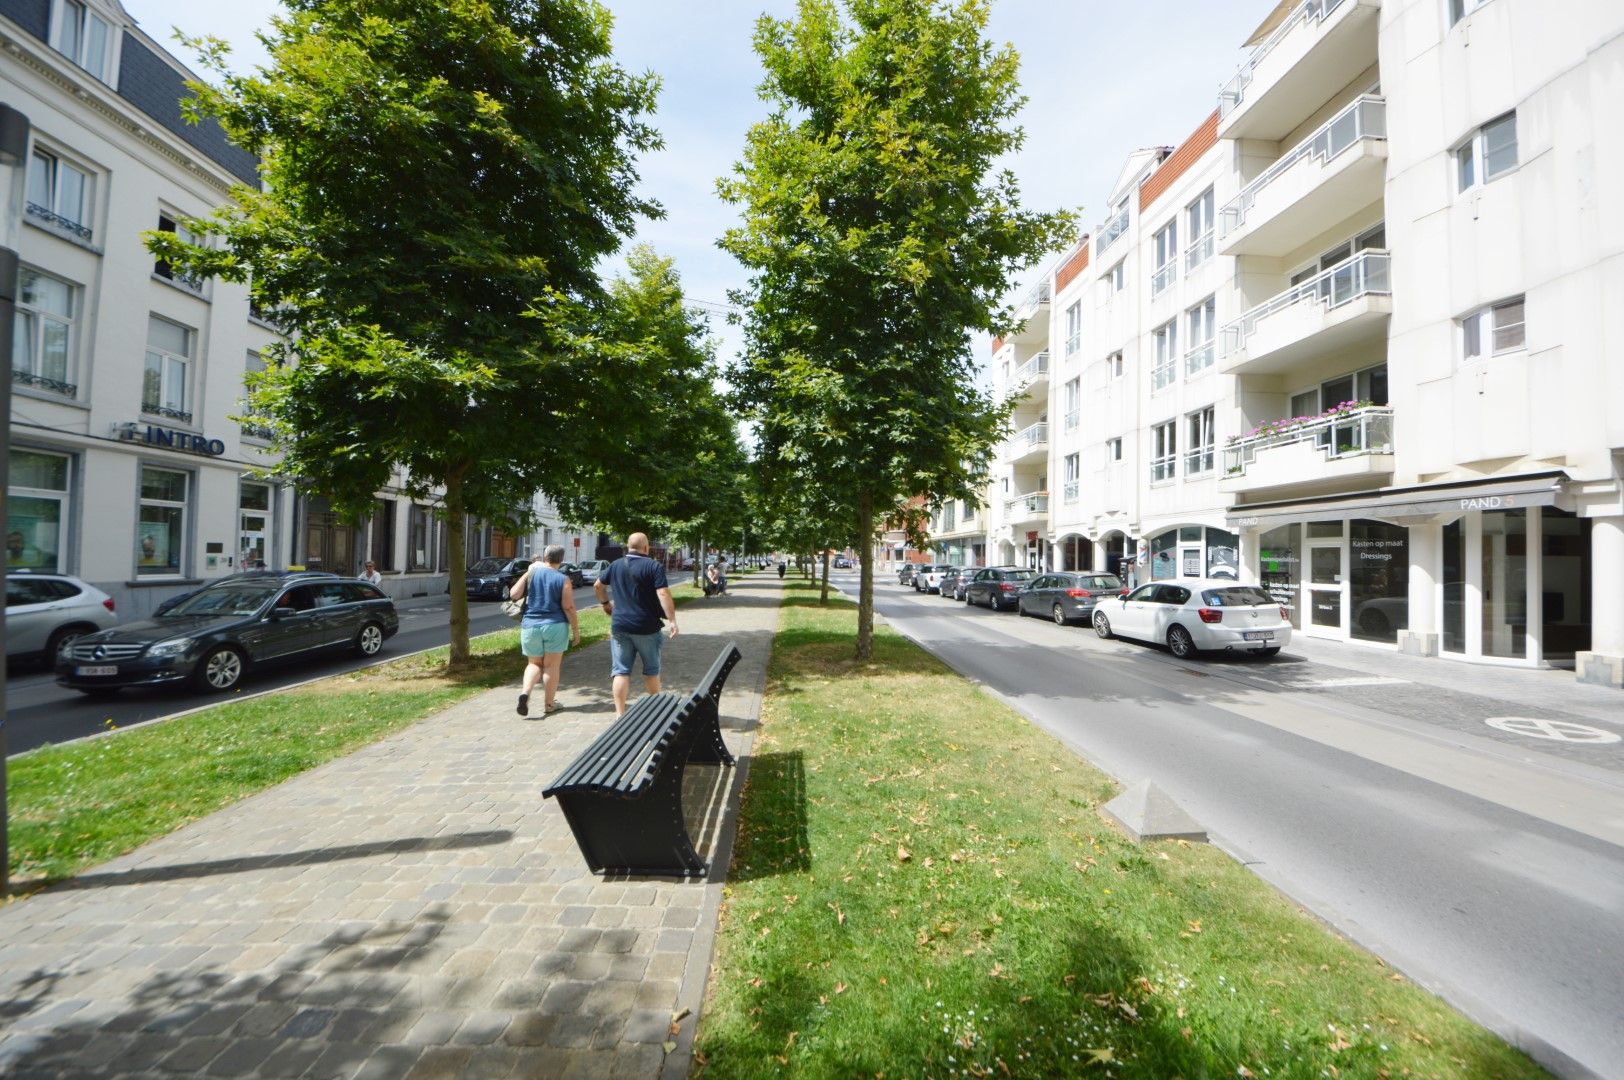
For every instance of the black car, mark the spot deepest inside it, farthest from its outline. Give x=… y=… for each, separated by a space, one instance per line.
x=996 y=586
x=213 y=638
x=491 y=578
x=246 y=575
x=1067 y=597
x=905 y=576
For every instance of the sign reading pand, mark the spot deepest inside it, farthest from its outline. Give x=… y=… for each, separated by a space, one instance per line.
x=1490 y=502
x=183 y=441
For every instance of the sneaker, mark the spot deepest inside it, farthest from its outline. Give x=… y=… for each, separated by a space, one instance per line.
x=524 y=704
x=554 y=707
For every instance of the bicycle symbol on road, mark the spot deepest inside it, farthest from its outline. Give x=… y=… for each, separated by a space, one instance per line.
x=1559 y=730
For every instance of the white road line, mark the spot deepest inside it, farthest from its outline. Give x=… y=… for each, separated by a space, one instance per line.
x=1363 y=680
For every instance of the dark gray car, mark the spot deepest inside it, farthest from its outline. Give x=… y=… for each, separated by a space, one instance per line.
x=996 y=586
x=1067 y=596
x=950 y=581
x=905 y=576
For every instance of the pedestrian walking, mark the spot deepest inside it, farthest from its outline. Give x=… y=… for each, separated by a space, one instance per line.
x=781 y=569
x=547 y=628
x=635 y=594
x=370 y=575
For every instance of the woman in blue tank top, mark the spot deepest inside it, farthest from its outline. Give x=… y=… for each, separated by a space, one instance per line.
x=548 y=627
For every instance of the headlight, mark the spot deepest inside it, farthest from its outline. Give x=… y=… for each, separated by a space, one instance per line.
x=172 y=647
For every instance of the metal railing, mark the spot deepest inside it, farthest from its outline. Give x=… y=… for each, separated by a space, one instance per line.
x=1200 y=358
x=1107 y=233
x=1198 y=252
x=1234 y=91
x=1023 y=506
x=1072 y=490
x=258 y=431
x=1028 y=439
x=1163 y=374
x=1073 y=343
x=57 y=221
x=1033 y=369
x=1343 y=434
x=1198 y=460
x=1073 y=419
x=163 y=410
x=1164 y=276
x=40 y=382
x=1035 y=298
x=1365 y=274
x=1363 y=118
x=1161 y=468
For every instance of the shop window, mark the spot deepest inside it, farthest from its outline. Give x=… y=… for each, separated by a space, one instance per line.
x=37 y=501
x=160 y=533
x=1454 y=621
x=1565 y=583
x=1223 y=554
x=1379 y=576
x=253 y=525
x=1504 y=584
x=1161 y=555
x=1280 y=569
x=44 y=333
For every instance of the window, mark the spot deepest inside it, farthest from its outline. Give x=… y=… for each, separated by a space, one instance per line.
x=1198 y=458
x=1497 y=326
x=1489 y=153
x=1198 y=220
x=1073 y=398
x=1167 y=350
x=43 y=338
x=82 y=36
x=419 y=538
x=1117 y=276
x=160 y=530
x=169 y=362
x=1165 y=245
x=1113 y=449
x=37 y=509
x=1163 y=451
x=1202 y=321
x=1074 y=328
x=254 y=525
x=168 y=224
x=383 y=535
x=59 y=193
x=1074 y=475
x=1114 y=364
x=969 y=514
x=1459 y=9
x=253 y=426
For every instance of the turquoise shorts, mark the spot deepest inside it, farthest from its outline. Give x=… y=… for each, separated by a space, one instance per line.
x=553 y=637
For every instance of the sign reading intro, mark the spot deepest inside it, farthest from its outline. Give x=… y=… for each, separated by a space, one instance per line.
x=184 y=441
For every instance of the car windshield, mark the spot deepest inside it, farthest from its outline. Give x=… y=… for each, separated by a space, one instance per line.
x=1099 y=581
x=485 y=566
x=242 y=599
x=1236 y=596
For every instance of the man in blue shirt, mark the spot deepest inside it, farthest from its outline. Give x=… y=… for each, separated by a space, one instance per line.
x=634 y=593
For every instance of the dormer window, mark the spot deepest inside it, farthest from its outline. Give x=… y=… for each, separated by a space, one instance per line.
x=83 y=37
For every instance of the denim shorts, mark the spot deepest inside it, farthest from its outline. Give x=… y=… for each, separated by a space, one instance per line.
x=547 y=638
x=623 y=646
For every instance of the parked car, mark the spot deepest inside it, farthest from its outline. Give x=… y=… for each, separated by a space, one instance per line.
x=1195 y=615
x=245 y=575
x=573 y=572
x=905 y=576
x=842 y=563
x=1067 y=597
x=592 y=570
x=929 y=578
x=997 y=586
x=961 y=587
x=491 y=578
x=45 y=613
x=950 y=581
x=215 y=637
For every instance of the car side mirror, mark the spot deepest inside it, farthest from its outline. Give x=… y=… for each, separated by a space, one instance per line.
x=283 y=613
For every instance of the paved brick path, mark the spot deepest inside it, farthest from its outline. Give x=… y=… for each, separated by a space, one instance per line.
x=414 y=909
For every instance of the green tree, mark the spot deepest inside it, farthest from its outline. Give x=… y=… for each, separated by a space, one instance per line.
x=440 y=179
x=879 y=233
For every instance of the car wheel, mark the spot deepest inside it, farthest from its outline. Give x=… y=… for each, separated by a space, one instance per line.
x=369 y=640
x=1273 y=651
x=1059 y=615
x=1102 y=625
x=219 y=670
x=63 y=637
x=1180 y=643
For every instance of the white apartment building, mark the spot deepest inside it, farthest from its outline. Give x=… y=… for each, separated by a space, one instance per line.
x=957 y=534
x=1414 y=385
x=1017 y=499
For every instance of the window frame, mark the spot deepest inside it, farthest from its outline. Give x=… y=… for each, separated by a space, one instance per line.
x=1480 y=325
x=63 y=497
x=1459 y=9
x=1165 y=372
x=1472 y=153
x=143 y=501
x=1074 y=328
x=1199 y=216
x=1202 y=353
x=1117 y=276
x=1165 y=248
x=1164 y=438
x=35 y=318
x=1200 y=457
x=1113 y=449
x=88 y=14
x=165 y=359
x=52 y=213
x=169 y=221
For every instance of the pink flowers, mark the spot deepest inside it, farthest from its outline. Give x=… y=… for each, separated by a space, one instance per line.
x=1279 y=427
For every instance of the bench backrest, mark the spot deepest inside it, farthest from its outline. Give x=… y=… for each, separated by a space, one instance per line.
x=624 y=758
x=711 y=685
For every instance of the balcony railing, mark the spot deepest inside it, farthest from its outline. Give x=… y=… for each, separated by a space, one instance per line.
x=1164 y=276
x=1199 y=358
x=1032 y=370
x=258 y=431
x=1028 y=439
x=1234 y=92
x=1198 y=252
x=1035 y=298
x=1198 y=460
x=1071 y=491
x=1108 y=232
x=1363 y=118
x=1366 y=274
x=1161 y=468
x=1073 y=419
x=1163 y=374
x=1346 y=433
x=1025 y=506
x=40 y=382
x=1073 y=343
x=163 y=410
x=57 y=221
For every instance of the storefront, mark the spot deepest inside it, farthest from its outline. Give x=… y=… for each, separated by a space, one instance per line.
x=1191 y=551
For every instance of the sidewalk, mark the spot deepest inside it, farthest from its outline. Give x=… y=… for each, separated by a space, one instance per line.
x=414 y=909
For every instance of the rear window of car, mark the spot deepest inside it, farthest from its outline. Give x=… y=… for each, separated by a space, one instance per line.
x=1100 y=581
x=1019 y=575
x=1236 y=596
x=360 y=590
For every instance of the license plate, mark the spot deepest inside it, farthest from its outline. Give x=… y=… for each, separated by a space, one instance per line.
x=98 y=669
x=1258 y=635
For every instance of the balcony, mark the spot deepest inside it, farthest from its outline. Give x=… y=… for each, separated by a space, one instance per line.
x=1335 y=172
x=1351 y=448
x=1348 y=304
x=1030 y=375
x=1028 y=444
x=1320 y=47
x=1024 y=509
x=1108 y=232
x=1032 y=317
x=1164 y=277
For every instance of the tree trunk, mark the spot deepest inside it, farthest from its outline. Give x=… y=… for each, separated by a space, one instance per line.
x=824 y=598
x=455 y=519
x=865 y=588
x=699 y=561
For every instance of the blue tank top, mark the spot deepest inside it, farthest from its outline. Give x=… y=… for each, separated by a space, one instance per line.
x=544 y=600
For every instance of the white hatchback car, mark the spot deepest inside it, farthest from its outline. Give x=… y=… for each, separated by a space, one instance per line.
x=1195 y=615
x=45 y=613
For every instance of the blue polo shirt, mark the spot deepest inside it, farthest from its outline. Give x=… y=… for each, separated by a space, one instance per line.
x=634 y=583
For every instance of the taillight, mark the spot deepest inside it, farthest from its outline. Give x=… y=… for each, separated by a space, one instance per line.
x=1211 y=615
x=1285 y=614
x=1124 y=591
x=1078 y=592
x=1005 y=586
x=108 y=603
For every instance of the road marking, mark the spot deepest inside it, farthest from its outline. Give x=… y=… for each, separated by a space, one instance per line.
x=1558 y=730
x=1369 y=680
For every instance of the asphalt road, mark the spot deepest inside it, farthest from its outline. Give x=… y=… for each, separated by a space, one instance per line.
x=39 y=712
x=1494 y=878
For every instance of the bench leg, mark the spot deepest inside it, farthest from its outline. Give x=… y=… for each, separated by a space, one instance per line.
x=646 y=835
x=708 y=747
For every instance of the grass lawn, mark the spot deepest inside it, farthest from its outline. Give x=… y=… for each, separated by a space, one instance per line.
x=76 y=805
x=922 y=886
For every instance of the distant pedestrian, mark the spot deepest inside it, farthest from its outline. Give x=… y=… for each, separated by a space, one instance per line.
x=713 y=580
x=781 y=569
x=547 y=628
x=721 y=576
x=370 y=575
x=635 y=594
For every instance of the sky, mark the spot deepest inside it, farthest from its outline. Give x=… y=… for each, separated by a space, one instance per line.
x=1102 y=79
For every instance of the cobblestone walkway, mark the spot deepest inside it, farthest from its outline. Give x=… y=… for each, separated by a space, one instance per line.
x=414 y=909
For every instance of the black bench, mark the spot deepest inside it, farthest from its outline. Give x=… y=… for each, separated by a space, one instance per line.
x=622 y=796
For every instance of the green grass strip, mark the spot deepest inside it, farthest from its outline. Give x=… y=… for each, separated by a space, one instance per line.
x=922 y=886
x=75 y=805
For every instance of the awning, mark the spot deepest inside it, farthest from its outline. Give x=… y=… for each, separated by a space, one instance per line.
x=1398 y=504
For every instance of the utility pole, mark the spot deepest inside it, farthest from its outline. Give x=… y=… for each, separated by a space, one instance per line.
x=13 y=155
